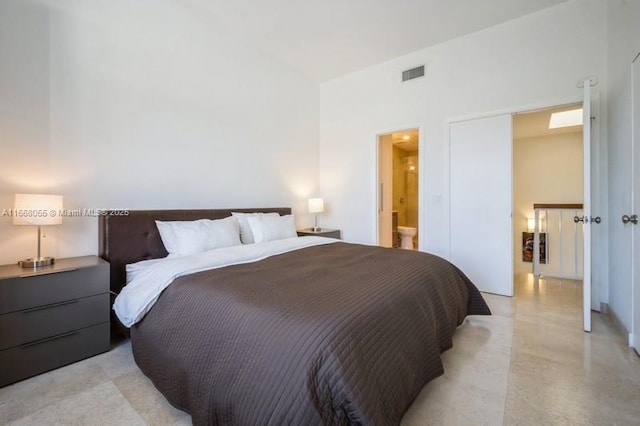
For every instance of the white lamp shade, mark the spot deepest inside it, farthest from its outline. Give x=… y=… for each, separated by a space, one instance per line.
x=531 y=224
x=37 y=209
x=316 y=205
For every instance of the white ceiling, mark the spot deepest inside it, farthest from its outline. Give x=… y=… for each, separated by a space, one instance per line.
x=324 y=39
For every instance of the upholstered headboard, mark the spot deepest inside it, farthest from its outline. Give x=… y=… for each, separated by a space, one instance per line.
x=134 y=237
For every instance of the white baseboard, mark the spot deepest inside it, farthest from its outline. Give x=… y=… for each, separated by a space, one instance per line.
x=604 y=308
x=634 y=342
x=619 y=325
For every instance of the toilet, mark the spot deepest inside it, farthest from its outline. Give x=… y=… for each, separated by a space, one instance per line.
x=406 y=236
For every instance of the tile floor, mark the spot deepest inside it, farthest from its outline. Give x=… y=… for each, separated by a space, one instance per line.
x=528 y=364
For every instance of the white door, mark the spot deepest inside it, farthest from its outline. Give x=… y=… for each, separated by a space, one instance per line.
x=592 y=224
x=481 y=201
x=586 y=141
x=635 y=300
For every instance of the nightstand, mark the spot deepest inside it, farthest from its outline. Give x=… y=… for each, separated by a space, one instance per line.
x=323 y=232
x=52 y=316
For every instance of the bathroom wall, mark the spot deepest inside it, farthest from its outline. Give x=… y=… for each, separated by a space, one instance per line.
x=411 y=198
x=399 y=185
x=405 y=187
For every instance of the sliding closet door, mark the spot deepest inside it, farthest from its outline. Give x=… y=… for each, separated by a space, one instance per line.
x=481 y=201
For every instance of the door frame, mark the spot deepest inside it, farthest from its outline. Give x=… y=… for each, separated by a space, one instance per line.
x=599 y=205
x=421 y=179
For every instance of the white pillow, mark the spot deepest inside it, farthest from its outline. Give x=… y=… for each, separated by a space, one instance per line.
x=245 y=230
x=221 y=233
x=270 y=228
x=183 y=238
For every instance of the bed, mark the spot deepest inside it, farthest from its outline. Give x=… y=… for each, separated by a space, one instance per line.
x=329 y=333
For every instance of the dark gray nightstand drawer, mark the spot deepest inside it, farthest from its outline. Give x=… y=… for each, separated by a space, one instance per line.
x=26 y=326
x=21 y=293
x=53 y=352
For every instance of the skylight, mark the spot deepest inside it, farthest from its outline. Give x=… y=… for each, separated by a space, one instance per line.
x=566 y=119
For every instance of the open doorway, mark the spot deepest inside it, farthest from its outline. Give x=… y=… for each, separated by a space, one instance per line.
x=398 y=196
x=548 y=194
x=482 y=223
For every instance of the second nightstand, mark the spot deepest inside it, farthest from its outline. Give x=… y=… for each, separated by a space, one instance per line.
x=323 y=232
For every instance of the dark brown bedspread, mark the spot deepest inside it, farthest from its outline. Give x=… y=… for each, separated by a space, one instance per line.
x=333 y=334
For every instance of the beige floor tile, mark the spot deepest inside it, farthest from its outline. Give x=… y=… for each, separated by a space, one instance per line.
x=118 y=361
x=100 y=405
x=543 y=391
x=500 y=305
x=547 y=339
x=521 y=411
x=148 y=401
x=546 y=391
x=446 y=401
x=28 y=396
x=493 y=333
x=472 y=390
x=575 y=348
x=483 y=368
x=560 y=375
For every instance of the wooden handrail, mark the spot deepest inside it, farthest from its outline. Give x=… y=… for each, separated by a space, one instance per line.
x=558 y=206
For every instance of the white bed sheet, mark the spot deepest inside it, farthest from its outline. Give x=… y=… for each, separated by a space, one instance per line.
x=139 y=296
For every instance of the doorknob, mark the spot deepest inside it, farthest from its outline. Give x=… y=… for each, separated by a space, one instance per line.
x=583 y=219
x=596 y=219
x=633 y=219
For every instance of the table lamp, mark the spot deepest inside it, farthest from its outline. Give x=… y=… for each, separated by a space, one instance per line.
x=316 y=205
x=37 y=210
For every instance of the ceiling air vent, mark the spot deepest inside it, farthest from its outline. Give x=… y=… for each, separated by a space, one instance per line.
x=413 y=73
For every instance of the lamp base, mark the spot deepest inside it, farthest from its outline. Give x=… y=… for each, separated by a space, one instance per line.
x=316 y=229
x=37 y=263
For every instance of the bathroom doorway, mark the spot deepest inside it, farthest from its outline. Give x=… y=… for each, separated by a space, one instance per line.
x=398 y=189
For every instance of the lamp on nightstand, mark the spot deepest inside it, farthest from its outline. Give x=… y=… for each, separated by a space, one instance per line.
x=37 y=210
x=316 y=205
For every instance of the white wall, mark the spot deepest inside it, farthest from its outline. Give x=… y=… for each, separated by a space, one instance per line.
x=527 y=63
x=24 y=109
x=623 y=45
x=546 y=169
x=144 y=105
